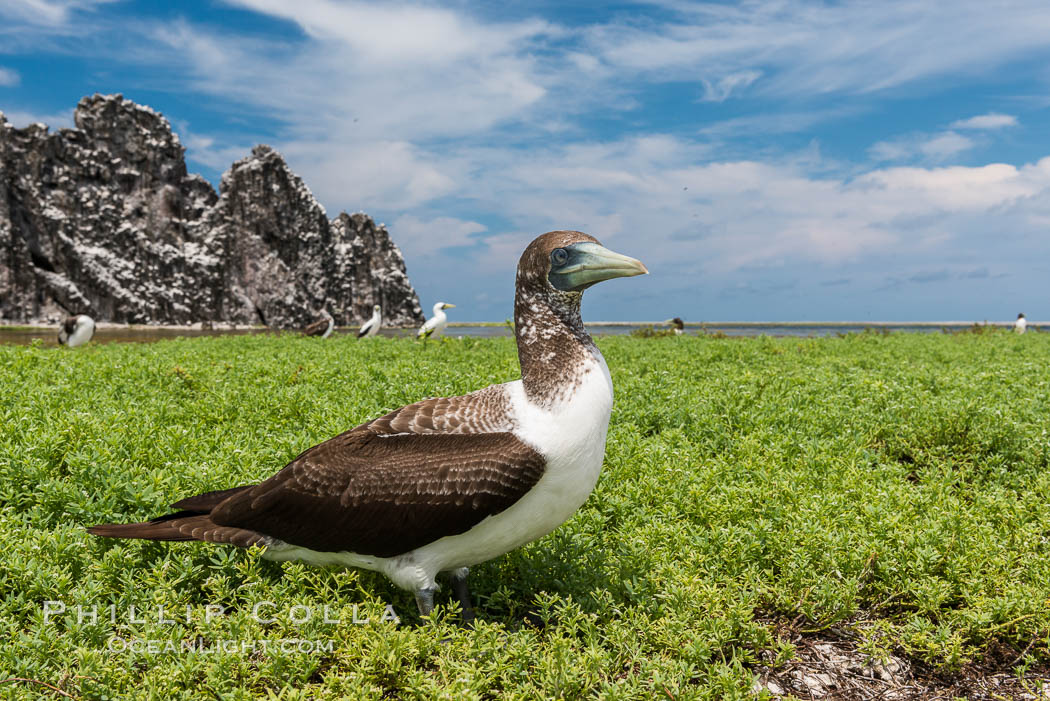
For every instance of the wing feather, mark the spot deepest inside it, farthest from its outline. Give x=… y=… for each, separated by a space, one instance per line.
x=316 y=328
x=372 y=494
x=485 y=411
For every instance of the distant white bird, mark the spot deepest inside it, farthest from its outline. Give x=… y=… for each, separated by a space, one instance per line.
x=435 y=325
x=1021 y=324
x=323 y=327
x=76 y=330
x=372 y=326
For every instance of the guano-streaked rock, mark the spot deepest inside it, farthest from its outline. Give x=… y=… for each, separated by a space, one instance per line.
x=104 y=220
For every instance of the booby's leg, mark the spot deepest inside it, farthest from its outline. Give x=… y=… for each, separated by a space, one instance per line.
x=425 y=601
x=459 y=585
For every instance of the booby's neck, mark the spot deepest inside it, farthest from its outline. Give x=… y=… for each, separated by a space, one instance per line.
x=554 y=349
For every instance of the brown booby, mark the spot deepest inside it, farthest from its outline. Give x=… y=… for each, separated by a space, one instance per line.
x=371 y=327
x=435 y=325
x=323 y=327
x=1021 y=324
x=76 y=330
x=442 y=484
x=678 y=325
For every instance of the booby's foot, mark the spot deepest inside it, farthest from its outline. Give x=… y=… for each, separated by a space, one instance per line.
x=459 y=585
x=425 y=601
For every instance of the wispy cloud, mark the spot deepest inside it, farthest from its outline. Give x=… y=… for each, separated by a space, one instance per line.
x=806 y=48
x=946 y=145
x=992 y=120
x=779 y=122
x=22 y=118
x=8 y=77
x=931 y=148
x=720 y=89
x=46 y=13
x=428 y=236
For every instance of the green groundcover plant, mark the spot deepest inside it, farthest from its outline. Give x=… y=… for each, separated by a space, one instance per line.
x=894 y=483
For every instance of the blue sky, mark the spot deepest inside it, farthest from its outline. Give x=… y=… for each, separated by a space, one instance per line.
x=775 y=160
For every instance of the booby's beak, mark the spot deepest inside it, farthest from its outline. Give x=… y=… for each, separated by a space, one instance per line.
x=447 y=306
x=588 y=263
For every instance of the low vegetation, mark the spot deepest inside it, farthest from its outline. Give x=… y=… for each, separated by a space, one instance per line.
x=894 y=486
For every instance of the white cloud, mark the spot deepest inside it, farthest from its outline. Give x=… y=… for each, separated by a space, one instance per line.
x=355 y=82
x=57 y=120
x=805 y=48
x=778 y=122
x=720 y=89
x=935 y=148
x=379 y=175
x=992 y=120
x=944 y=146
x=382 y=34
x=45 y=12
x=8 y=77
x=428 y=236
x=725 y=216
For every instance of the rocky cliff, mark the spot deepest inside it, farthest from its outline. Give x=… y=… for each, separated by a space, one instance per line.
x=104 y=220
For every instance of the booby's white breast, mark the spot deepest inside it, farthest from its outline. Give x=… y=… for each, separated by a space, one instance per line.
x=82 y=333
x=436 y=324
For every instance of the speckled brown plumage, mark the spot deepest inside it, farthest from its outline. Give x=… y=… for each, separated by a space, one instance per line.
x=484 y=411
x=551 y=337
x=317 y=328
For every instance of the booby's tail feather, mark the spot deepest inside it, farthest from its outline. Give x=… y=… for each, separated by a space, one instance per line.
x=159 y=529
x=181 y=526
x=192 y=522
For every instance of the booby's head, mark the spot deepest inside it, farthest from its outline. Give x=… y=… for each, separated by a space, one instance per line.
x=1020 y=316
x=375 y=309
x=570 y=262
x=442 y=306
x=554 y=349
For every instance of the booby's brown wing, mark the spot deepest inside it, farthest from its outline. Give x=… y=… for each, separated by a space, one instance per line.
x=429 y=469
x=484 y=411
x=317 y=328
x=385 y=495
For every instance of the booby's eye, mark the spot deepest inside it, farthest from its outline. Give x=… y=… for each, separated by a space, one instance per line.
x=559 y=256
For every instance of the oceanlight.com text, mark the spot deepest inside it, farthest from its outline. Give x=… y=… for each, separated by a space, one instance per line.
x=143 y=646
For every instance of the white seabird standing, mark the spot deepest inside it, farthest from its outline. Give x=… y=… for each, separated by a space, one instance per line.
x=76 y=330
x=442 y=484
x=435 y=325
x=1021 y=324
x=371 y=327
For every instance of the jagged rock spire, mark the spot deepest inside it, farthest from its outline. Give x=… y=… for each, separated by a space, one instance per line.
x=104 y=219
